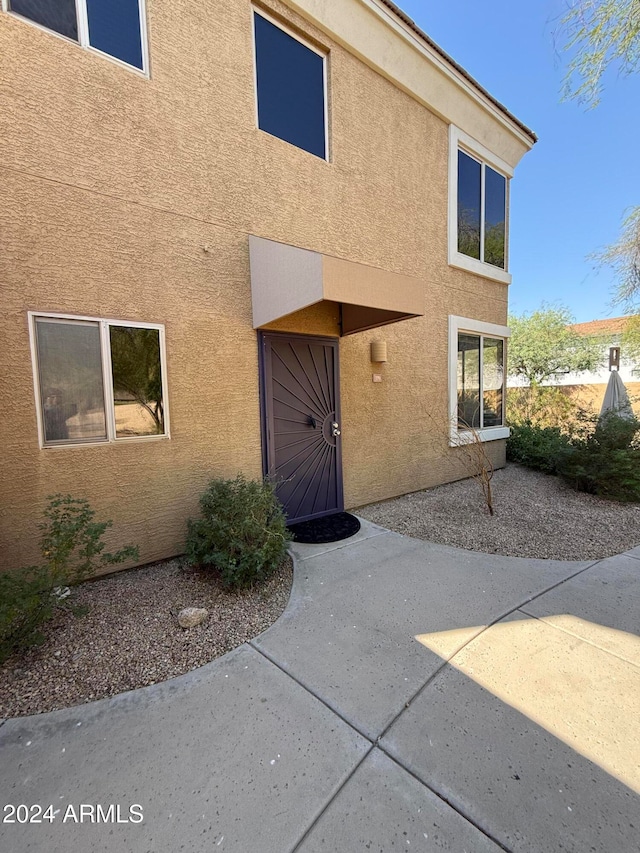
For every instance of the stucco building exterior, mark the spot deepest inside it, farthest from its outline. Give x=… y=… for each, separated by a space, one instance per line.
x=184 y=181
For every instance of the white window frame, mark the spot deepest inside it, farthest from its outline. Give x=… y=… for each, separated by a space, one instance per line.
x=322 y=53
x=460 y=141
x=107 y=380
x=83 y=34
x=484 y=330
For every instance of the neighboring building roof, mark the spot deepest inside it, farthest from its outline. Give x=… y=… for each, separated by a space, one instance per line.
x=416 y=29
x=601 y=328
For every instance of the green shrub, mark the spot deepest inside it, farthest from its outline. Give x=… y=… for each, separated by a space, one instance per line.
x=606 y=462
x=72 y=550
x=613 y=474
x=613 y=432
x=26 y=602
x=601 y=456
x=242 y=532
x=540 y=448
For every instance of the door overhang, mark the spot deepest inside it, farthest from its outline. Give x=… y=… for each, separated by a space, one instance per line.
x=285 y=279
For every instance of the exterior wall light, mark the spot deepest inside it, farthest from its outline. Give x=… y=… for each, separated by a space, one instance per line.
x=378 y=351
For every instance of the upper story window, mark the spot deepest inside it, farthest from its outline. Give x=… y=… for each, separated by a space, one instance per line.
x=114 y=27
x=478 y=208
x=482 y=198
x=290 y=87
x=98 y=380
x=477 y=359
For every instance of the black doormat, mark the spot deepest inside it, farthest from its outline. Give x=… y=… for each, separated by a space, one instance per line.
x=329 y=528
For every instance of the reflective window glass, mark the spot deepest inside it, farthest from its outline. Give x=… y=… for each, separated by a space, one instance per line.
x=71 y=386
x=80 y=400
x=481 y=211
x=469 y=200
x=495 y=197
x=290 y=82
x=492 y=381
x=114 y=28
x=137 y=381
x=468 y=381
x=57 y=15
x=480 y=381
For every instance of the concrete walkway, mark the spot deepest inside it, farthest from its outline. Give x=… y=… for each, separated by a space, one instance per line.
x=412 y=697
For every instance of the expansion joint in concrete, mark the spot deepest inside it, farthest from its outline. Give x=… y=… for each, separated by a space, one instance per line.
x=495 y=621
x=311 y=692
x=553 y=586
x=376 y=743
x=455 y=807
x=331 y=799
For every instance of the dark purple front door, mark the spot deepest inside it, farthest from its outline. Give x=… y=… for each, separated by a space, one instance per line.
x=301 y=423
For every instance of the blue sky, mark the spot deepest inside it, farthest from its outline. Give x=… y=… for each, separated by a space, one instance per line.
x=570 y=193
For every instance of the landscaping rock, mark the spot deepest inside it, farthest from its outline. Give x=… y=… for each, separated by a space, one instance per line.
x=189 y=617
x=127 y=636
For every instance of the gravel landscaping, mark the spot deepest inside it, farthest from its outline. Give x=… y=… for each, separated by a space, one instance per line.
x=129 y=635
x=536 y=515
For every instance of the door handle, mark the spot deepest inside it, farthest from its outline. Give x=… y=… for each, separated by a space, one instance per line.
x=335 y=429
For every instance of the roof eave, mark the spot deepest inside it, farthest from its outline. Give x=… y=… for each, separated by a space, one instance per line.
x=397 y=11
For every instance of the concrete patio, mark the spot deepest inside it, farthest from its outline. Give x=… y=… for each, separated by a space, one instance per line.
x=411 y=697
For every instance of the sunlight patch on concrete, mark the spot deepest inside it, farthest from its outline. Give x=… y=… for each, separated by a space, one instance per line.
x=448 y=643
x=575 y=688
x=620 y=643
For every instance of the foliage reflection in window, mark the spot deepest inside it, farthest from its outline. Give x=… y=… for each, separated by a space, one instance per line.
x=137 y=381
x=78 y=402
x=482 y=205
x=480 y=381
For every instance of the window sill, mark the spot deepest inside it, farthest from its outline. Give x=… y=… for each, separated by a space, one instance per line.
x=105 y=442
x=460 y=437
x=464 y=262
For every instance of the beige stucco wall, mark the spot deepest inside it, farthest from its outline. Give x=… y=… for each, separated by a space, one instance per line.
x=394 y=50
x=133 y=198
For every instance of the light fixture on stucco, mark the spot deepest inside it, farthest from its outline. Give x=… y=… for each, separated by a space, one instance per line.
x=378 y=351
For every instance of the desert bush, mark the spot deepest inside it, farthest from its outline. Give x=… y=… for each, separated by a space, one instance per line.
x=613 y=432
x=606 y=461
x=26 y=601
x=242 y=532
x=538 y=447
x=472 y=454
x=601 y=455
x=72 y=549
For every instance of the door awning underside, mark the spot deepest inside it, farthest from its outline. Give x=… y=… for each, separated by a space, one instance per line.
x=285 y=279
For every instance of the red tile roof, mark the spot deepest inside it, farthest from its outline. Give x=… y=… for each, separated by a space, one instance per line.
x=611 y=326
